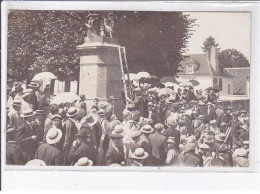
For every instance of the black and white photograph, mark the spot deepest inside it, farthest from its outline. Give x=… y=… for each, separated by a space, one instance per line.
x=127 y=89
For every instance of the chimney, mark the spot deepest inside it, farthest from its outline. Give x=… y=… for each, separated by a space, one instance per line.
x=214 y=59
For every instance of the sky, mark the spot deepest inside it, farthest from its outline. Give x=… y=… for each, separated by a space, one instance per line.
x=231 y=31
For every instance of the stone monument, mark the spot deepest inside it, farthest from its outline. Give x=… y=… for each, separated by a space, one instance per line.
x=100 y=69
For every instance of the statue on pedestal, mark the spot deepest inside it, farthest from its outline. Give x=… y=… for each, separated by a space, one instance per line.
x=99 y=25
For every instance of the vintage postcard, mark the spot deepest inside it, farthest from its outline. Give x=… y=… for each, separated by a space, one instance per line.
x=123 y=89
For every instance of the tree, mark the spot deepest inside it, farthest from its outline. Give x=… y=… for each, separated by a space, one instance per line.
x=233 y=58
x=46 y=41
x=208 y=43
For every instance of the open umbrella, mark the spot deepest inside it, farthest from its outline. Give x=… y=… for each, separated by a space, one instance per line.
x=132 y=76
x=169 y=84
x=44 y=76
x=165 y=91
x=194 y=82
x=65 y=97
x=186 y=84
x=168 y=79
x=143 y=74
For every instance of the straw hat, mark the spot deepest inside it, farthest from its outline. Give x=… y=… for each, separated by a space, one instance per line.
x=84 y=162
x=213 y=121
x=35 y=162
x=90 y=119
x=72 y=111
x=53 y=136
x=118 y=129
x=139 y=153
x=147 y=129
x=190 y=147
x=40 y=112
x=27 y=113
x=55 y=116
x=17 y=103
x=220 y=137
x=34 y=85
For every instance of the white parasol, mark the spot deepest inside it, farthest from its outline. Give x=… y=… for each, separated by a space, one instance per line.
x=44 y=76
x=65 y=97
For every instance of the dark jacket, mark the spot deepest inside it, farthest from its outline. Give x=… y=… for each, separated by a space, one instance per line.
x=70 y=135
x=210 y=116
x=82 y=150
x=172 y=132
x=24 y=139
x=50 y=154
x=223 y=118
x=14 y=155
x=157 y=141
x=189 y=159
x=113 y=156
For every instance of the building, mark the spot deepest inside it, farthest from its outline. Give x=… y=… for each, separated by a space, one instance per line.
x=207 y=71
x=241 y=80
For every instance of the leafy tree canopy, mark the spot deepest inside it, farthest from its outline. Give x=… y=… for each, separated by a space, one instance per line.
x=233 y=58
x=208 y=43
x=46 y=41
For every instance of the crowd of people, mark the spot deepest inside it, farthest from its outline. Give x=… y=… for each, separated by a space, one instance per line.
x=184 y=129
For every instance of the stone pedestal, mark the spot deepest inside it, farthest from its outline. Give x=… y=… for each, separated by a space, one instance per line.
x=100 y=71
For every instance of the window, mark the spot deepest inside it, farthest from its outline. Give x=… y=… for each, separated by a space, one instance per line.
x=215 y=82
x=190 y=68
x=220 y=84
x=229 y=89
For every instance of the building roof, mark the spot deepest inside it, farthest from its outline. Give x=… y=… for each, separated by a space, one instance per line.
x=203 y=65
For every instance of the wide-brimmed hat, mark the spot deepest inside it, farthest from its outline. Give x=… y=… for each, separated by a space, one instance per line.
x=40 y=112
x=27 y=113
x=55 y=116
x=245 y=127
x=34 y=85
x=241 y=152
x=139 y=153
x=53 y=136
x=27 y=92
x=35 y=162
x=150 y=104
x=130 y=106
x=201 y=103
x=243 y=111
x=159 y=126
x=171 y=121
x=195 y=112
x=202 y=117
x=171 y=141
x=118 y=129
x=204 y=146
x=246 y=142
x=90 y=119
x=220 y=137
x=212 y=121
x=147 y=129
x=111 y=98
x=190 y=147
x=17 y=103
x=18 y=87
x=72 y=111
x=84 y=162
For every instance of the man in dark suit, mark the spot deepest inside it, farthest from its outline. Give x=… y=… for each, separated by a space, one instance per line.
x=115 y=152
x=27 y=136
x=151 y=113
x=211 y=113
x=83 y=147
x=70 y=132
x=171 y=131
x=49 y=152
x=157 y=141
x=14 y=155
